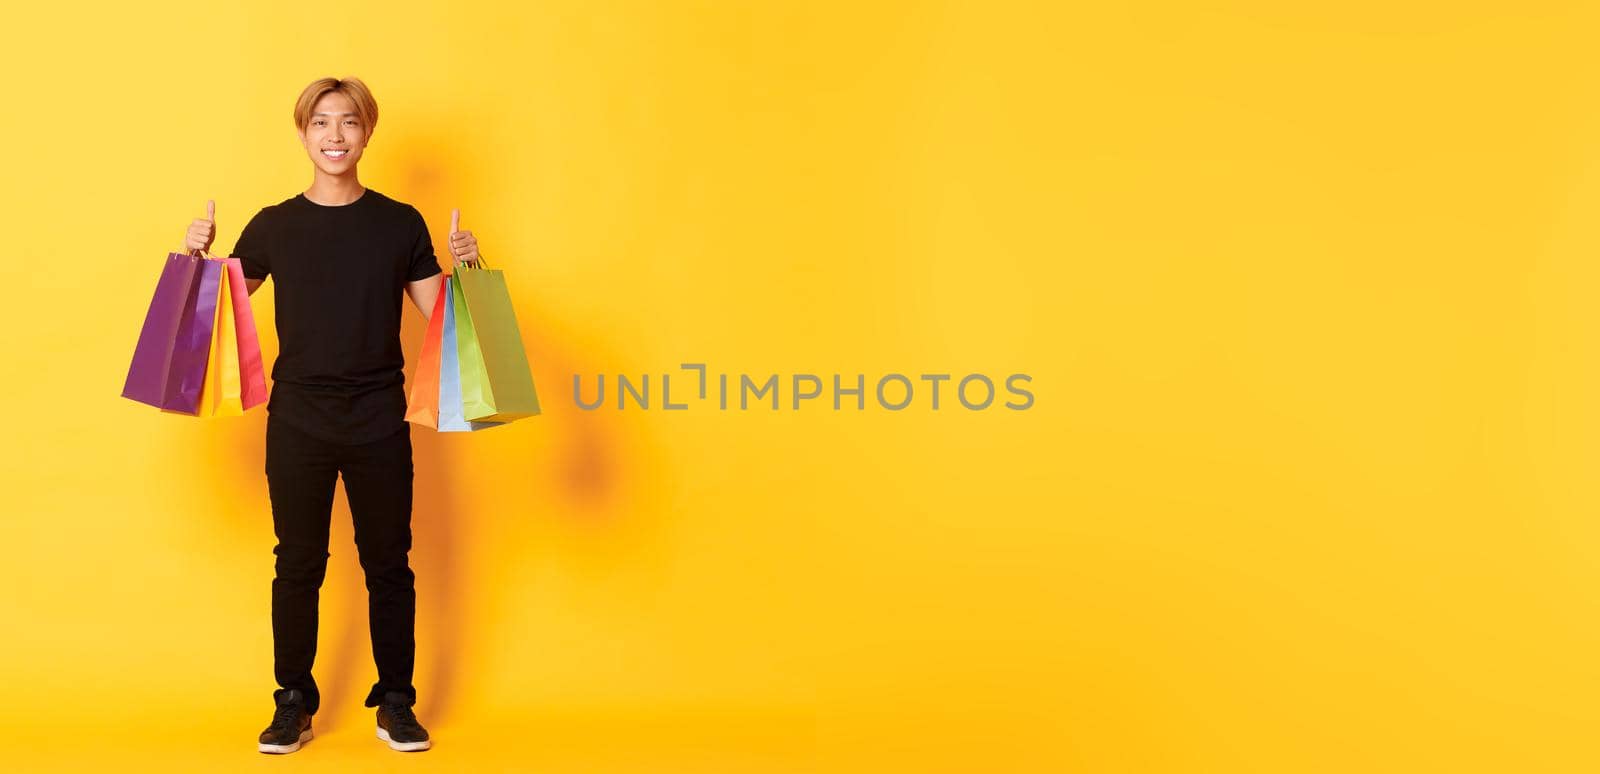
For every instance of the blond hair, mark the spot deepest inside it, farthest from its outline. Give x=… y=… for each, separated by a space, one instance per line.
x=366 y=106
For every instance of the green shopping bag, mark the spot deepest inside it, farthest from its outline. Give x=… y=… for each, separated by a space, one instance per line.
x=496 y=383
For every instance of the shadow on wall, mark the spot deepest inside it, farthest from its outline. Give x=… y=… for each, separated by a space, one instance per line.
x=588 y=466
x=582 y=480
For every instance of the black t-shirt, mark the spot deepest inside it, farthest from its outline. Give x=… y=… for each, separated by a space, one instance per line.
x=339 y=274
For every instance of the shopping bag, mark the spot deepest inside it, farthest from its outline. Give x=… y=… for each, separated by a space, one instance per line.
x=221 y=395
x=151 y=366
x=192 y=353
x=496 y=383
x=191 y=350
x=451 y=338
x=422 y=405
x=252 y=376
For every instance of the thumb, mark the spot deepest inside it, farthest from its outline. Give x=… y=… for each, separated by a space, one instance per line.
x=455 y=220
x=211 y=209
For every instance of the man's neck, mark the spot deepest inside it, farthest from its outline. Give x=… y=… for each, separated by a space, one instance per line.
x=335 y=191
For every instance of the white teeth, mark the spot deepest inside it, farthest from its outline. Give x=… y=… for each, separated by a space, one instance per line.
x=334 y=153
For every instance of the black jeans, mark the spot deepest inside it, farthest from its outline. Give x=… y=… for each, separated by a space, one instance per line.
x=301 y=471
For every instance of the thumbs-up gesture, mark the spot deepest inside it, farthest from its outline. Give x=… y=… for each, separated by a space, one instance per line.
x=463 y=245
x=202 y=230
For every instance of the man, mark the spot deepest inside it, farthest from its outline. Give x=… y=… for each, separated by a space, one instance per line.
x=341 y=256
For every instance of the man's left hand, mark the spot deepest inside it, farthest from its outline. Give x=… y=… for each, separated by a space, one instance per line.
x=463 y=245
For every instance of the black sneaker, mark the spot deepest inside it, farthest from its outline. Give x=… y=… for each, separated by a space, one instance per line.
x=398 y=726
x=291 y=726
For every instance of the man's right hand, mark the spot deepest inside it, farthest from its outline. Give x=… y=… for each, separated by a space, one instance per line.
x=202 y=230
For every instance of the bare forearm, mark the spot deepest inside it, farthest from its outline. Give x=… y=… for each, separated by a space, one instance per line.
x=424 y=293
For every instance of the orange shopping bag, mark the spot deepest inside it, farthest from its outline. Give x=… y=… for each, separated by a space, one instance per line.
x=422 y=407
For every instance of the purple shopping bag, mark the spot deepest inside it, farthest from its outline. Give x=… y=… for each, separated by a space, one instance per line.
x=169 y=362
x=152 y=356
x=191 y=351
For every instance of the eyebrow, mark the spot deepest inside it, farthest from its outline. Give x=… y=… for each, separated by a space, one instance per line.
x=329 y=114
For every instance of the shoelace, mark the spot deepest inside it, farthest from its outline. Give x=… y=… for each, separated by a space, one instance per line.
x=286 y=716
x=404 y=717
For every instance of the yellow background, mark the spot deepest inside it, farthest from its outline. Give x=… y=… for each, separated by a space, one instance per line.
x=1306 y=296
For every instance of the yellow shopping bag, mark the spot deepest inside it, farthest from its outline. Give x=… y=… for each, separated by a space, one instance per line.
x=221 y=396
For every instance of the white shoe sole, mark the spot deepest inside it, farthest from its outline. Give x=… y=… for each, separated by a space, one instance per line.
x=403 y=746
x=305 y=736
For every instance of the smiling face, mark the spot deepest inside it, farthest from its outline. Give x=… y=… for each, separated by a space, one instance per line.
x=335 y=137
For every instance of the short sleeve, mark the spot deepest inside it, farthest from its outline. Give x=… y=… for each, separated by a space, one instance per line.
x=423 y=262
x=251 y=249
